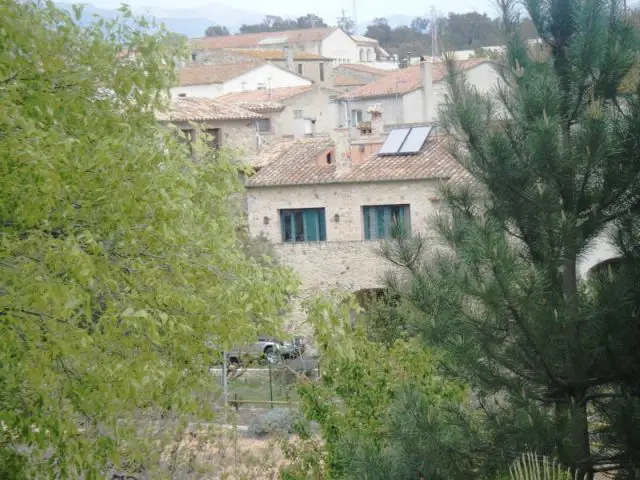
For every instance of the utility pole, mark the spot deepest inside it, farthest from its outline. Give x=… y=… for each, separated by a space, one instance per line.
x=434 y=32
x=355 y=18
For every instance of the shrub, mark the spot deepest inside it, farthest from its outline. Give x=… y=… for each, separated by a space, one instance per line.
x=279 y=421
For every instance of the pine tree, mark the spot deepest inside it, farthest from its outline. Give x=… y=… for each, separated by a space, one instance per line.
x=555 y=160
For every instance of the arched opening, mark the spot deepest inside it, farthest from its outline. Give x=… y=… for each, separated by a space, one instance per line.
x=369 y=55
x=362 y=54
x=605 y=267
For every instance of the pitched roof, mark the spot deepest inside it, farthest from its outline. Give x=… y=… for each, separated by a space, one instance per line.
x=358 y=67
x=363 y=39
x=265 y=95
x=218 y=73
x=261 y=107
x=347 y=81
x=192 y=109
x=264 y=38
x=275 y=54
x=406 y=80
x=294 y=162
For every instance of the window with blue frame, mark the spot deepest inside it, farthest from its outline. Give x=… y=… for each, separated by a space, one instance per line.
x=386 y=221
x=303 y=225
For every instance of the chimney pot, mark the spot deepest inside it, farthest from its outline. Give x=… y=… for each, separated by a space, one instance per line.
x=343 y=151
x=426 y=79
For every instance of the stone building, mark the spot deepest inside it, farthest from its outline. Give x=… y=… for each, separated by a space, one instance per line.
x=413 y=94
x=330 y=42
x=327 y=202
x=315 y=67
x=293 y=111
x=349 y=76
x=226 y=126
x=214 y=80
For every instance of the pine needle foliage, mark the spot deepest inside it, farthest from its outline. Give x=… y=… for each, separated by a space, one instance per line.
x=554 y=160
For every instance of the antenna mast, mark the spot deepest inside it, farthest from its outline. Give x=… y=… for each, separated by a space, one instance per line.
x=434 y=32
x=355 y=18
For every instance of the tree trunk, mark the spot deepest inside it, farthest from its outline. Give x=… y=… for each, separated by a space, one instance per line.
x=579 y=453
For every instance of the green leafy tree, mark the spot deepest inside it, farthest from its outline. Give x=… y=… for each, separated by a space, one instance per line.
x=310 y=21
x=118 y=256
x=548 y=355
x=363 y=383
x=379 y=30
x=216 y=31
x=273 y=23
x=347 y=24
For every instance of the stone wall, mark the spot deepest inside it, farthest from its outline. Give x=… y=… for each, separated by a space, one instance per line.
x=237 y=135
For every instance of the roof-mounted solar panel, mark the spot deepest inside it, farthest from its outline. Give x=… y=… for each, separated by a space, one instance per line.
x=415 y=140
x=394 y=141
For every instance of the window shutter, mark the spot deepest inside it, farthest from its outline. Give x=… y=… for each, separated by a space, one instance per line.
x=310 y=218
x=322 y=222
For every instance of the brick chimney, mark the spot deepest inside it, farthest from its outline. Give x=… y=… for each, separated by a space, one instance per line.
x=377 y=124
x=426 y=80
x=343 y=150
x=288 y=57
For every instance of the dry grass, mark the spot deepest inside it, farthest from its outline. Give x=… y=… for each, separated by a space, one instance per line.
x=224 y=454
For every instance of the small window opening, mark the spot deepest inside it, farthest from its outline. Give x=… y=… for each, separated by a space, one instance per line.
x=329 y=159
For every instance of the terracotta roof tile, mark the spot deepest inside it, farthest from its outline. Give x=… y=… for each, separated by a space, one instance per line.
x=363 y=39
x=364 y=68
x=219 y=73
x=293 y=162
x=261 y=107
x=192 y=109
x=275 y=54
x=265 y=95
x=257 y=39
x=406 y=80
x=347 y=81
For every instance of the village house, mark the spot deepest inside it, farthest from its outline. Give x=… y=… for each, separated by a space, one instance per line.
x=349 y=76
x=326 y=202
x=291 y=111
x=330 y=42
x=211 y=81
x=225 y=125
x=310 y=65
x=370 y=52
x=412 y=94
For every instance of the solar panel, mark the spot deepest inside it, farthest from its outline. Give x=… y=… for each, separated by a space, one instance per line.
x=415 y=140
x=394 y=141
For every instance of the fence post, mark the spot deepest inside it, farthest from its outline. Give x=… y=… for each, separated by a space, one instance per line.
x=270 y=386
x=225 y=385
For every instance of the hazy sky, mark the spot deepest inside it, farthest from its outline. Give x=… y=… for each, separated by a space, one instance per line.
x=327 y=9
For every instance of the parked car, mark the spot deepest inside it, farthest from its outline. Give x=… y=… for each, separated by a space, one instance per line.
x=267 y=349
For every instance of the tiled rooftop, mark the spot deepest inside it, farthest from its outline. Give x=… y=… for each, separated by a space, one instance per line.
x=294 y=162
x=192 y=109
x=347 y=81
x=257 y=39
x=363 y=39
x=358 y=67
x=265 y=95
x=275 y=54
x=406 y=80
x=219 y=73
x=260 y=107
